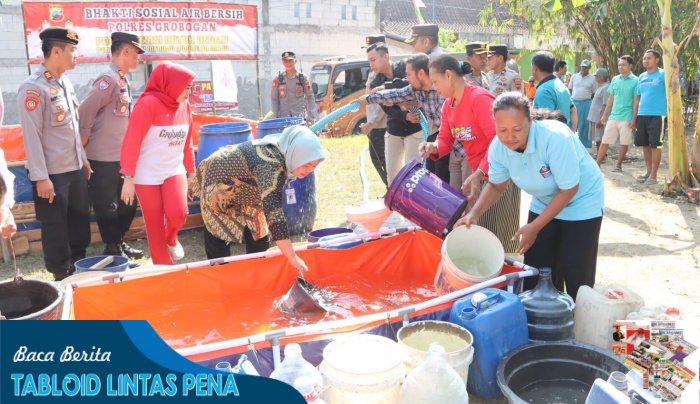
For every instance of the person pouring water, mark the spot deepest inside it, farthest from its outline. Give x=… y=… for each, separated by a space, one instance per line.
x=241 y=191
x=546 y=159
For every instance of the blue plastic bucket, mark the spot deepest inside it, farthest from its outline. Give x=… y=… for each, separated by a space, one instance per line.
x=315 y=235
x=299 y=196
x=119 y=264
x=214 y=136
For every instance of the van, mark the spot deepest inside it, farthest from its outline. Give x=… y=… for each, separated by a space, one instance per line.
x=337 y=82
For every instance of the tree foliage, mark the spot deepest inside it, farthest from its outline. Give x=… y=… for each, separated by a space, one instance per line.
x=448 y=41
x=612 y=28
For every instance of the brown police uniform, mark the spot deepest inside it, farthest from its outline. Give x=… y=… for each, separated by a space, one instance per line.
x=104 y=118
x=292 y=94
x=48 y=113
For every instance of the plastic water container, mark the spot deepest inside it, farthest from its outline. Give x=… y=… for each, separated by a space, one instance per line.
x=294 y=366
x=214 y=136
x=550 y=313
x=119 y=264
x=603 y=392
x=497 y=321
x=434 y=382
x=469 y=256
x=314 y=235
x=415 y=340
x=655 y=313
x=362 y=368
x=305 y=386
x=598 y=308
x=299 y=196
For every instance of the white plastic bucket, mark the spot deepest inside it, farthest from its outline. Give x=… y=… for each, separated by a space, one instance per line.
x=469 y=256
x=364 y=369
x=415 y=339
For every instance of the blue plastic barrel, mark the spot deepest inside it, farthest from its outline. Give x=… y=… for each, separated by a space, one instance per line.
x=299 y=196
x=23 y=186
x=214 y=136
x=277 y=125
x=340 y=246
x=498 y=324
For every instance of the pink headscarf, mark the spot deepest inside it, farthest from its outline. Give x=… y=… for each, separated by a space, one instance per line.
x=167 y=82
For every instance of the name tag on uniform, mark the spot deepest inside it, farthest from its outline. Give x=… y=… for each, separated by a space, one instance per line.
x=545 y=172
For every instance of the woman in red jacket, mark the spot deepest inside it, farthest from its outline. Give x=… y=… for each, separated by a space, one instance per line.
x=156 y=157
x=467 y=117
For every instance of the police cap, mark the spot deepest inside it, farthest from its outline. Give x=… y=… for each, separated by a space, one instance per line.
x=289 y=56
x=372 y=39
x=127 y=38
x=499 y=50
x=429 y=30
x=59 y=34
x=477 y=48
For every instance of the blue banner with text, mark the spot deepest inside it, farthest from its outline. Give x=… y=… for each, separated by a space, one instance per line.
x=115 y=362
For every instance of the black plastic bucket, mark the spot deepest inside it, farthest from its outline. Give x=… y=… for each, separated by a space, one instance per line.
x=303 y=299
x=554 y=372
x=29 y=299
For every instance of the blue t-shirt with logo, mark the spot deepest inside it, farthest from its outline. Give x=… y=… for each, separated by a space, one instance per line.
x=554 y=159
x=652 y=94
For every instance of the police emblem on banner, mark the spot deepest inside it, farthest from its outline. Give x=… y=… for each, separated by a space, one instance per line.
x=56 y=12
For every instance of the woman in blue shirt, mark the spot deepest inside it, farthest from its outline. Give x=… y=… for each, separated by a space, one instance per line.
x=545 y=159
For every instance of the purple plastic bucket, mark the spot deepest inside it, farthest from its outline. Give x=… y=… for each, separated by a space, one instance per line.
x=423 y=198
x=315 y=235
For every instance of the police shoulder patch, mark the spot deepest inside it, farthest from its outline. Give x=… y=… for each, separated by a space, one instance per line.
x=31 y=103
x=104 y=84
x=274 y=82
x=34 y=92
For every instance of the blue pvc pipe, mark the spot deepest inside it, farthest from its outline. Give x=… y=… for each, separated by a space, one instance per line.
x=423 y=121
x=338 y=112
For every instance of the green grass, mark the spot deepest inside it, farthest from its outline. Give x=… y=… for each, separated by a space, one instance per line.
x=338 y=184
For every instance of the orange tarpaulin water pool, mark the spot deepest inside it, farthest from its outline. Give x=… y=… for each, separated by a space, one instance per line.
x=236 y=300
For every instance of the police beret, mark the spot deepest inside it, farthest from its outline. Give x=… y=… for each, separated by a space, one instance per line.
x=429 y=30
x=59 y=34
x=477 y=48
x=499 y=49
x=128 y=38
x=372 y=39
x=289 y=55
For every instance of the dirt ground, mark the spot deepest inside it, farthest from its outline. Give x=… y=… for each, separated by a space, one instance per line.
x=650 y=243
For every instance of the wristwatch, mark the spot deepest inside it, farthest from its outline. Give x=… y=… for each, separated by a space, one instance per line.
x=127 y=177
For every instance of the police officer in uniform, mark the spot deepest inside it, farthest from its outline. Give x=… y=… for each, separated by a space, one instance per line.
x=501 y=78
x=375 y=128
x=424 y=39
x=291 y=92
x=512 y=62
x=477 y=57
x=56 y=162
x=104 y=116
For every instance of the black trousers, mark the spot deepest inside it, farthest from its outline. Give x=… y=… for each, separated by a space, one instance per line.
x=114 y=217
x=570 y=248
x=65 y=223
x=376 y=152
x=218 y=248
x=441 y=166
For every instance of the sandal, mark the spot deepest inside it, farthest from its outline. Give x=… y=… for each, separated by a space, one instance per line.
x=642 y=178
x=651 y=181
x=617 y=168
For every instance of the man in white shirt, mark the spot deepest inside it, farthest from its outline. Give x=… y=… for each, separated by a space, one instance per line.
x=582 y=87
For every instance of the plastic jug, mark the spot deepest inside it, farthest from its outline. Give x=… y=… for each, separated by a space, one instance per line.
x=603 y=392
x=294 y=366
x=598 y=308
x=550 y=313
x=434 y=381
x=497 y=321
x=655 y=313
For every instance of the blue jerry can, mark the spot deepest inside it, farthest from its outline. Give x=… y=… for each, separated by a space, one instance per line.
x=499 y=324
